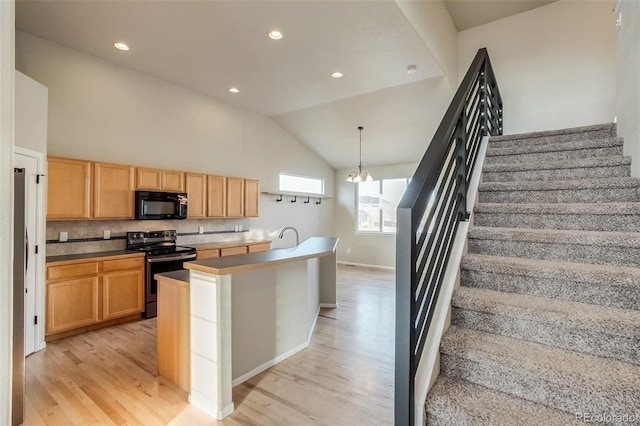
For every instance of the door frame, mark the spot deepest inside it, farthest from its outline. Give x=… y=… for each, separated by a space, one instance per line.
x=40 y=241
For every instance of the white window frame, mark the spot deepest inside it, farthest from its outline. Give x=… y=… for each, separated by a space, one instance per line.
x=313 y=194
x=357 y=210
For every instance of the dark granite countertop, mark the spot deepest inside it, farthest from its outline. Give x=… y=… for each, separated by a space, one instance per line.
x=181 y=275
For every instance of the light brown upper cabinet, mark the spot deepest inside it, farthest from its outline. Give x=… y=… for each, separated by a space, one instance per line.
x=217 y=196
x=196 y=188
x=113 y=191
x=159 y=180
x=172 y=181
x=69 y=191
x=235 y=197
x=251 y=196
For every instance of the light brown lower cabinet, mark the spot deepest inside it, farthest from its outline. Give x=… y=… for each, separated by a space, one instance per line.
x=122 y=294
x=83 y=294
x=71 y=303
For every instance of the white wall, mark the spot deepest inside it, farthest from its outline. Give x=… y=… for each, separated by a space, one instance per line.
x=367 y=249
x=432 y=22
x=7 y=29
x=30 y=109
x=555 y=65
x=101 y=111
x=628 y=82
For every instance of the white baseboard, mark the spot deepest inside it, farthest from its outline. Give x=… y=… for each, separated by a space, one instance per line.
x=328 y=305
x=259 y=369
x=205 y=404
x=366 y=265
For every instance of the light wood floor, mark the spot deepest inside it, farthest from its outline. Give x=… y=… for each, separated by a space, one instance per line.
x=345 y=377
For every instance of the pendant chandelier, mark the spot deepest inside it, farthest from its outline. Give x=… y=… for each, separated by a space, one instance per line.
x=359 y=175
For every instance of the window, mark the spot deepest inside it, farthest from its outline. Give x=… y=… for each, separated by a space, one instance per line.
x=377 y=204
x=303 y=184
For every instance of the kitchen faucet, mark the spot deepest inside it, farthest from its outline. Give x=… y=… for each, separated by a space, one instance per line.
x=294 y=230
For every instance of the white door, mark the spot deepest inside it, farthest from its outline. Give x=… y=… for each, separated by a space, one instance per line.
x=30 y=164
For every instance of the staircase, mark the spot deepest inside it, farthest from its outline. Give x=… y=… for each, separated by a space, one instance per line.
x=546 y=323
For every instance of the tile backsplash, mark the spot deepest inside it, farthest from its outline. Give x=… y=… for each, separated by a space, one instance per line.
x=86 y=236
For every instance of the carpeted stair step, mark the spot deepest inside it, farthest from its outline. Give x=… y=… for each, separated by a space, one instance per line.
x=615 y=248
x=620 y=217
x=598 y=131
x=605 y=285
x=461 y=403
x=561 y=379
x=583 y=168
x=568 y=151
x=596 y=330
x=610 y=190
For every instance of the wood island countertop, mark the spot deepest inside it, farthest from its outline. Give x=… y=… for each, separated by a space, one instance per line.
x=310 y=248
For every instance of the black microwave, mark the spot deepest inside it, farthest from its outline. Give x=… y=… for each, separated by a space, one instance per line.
x=155 y=205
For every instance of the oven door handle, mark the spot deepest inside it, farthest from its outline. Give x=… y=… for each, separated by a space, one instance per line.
x=170 y=258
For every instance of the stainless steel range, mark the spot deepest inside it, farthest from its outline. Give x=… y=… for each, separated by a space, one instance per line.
x=163 y=255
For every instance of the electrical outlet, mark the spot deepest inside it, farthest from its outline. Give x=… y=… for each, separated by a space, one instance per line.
x=64 y=236
x=239 y=228
x=107 y=234
x=235 y=228
x=200 y=229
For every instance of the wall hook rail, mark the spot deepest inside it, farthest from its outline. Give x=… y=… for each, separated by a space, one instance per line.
x=319 y=201
x=279 y=198
x=307 y=202
x=295 y=199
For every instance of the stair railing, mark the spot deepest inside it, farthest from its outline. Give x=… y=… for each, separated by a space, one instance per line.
x=428 y=214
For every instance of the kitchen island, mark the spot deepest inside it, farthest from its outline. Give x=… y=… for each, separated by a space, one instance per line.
x=248 y=312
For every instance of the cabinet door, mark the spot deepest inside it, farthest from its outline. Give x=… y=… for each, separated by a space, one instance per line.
x=68 y=189
x=172 y=181
x=235 y=197
x=251 y=196
x=196 y=186
x=216 y=196
x=149 y=179
x=113 y=189
x=122 y=293
x=71 y=304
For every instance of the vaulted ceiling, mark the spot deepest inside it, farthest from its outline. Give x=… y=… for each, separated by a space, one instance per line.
x=210 y=46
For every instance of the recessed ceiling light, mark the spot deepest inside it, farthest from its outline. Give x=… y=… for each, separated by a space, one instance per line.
x=275 y=35
x=121 y=46
x=411 y=69
x=234 y=90
x=337 y=74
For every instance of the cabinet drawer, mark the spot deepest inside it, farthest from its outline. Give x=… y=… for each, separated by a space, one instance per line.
x=230 y=251
x=208 y=253
x=259 y=247
x=73 y=270
x=123 y=264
